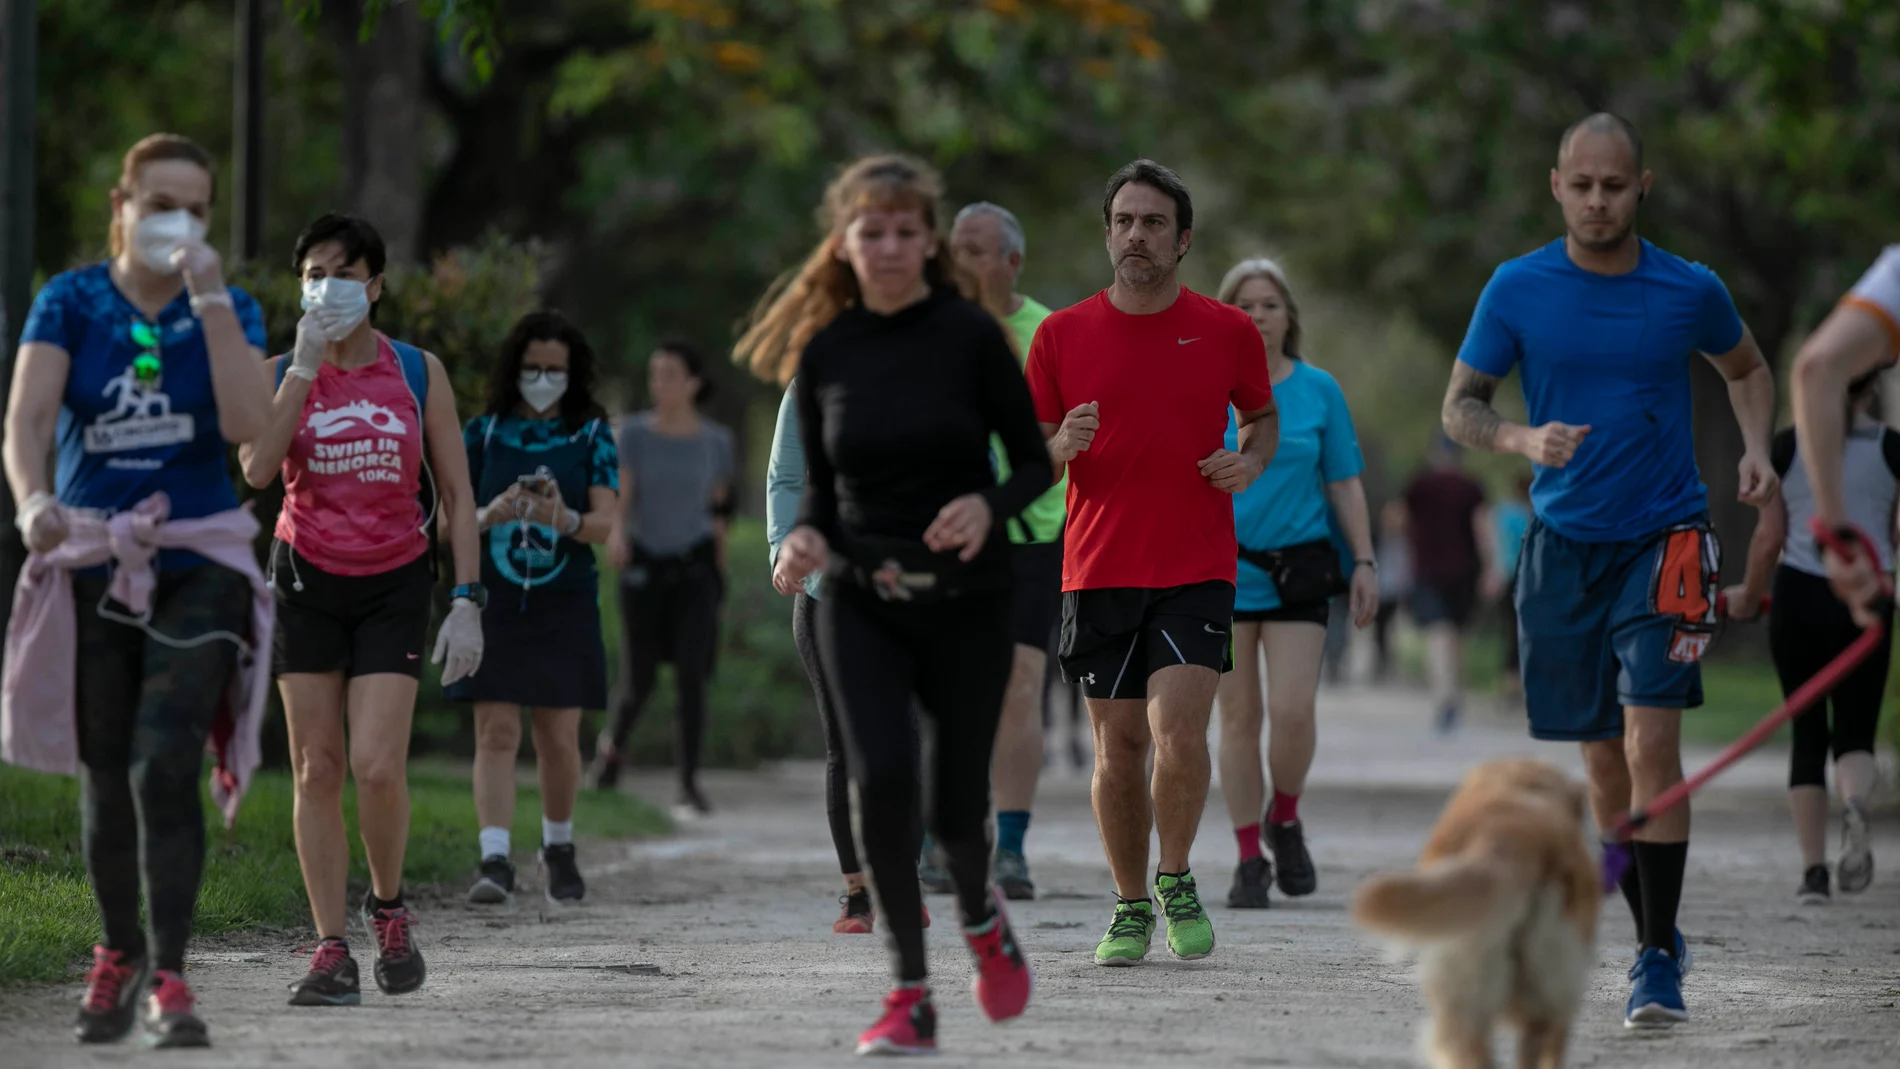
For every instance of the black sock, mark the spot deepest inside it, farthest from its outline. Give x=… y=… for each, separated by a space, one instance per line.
x=1661 y=865
x=1632 y=887
x=1174 y=875
x=393 y=903
x=1132 y=901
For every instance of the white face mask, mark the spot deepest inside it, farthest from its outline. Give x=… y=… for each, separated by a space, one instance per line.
x=158 y=236
x=543 y=389
x=341 y=304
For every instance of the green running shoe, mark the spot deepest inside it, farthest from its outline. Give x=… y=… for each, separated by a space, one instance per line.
x=1128 y=934
x=1190 y=933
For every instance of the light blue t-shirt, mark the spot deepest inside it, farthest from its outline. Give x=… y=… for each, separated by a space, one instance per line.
x=1511 y=520
x=1611 y=352
x=1287 y=505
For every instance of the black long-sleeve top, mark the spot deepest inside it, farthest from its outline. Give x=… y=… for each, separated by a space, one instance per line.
x=896 y=413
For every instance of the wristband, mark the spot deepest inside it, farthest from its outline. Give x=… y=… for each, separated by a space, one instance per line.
x=569 y=530
x=1366 y=562
x=201 y=301
x=308 y=374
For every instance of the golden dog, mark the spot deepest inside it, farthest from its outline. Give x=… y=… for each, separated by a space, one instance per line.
x=1502 y=911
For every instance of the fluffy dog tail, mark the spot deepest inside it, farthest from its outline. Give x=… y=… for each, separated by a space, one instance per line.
x=1448 y=899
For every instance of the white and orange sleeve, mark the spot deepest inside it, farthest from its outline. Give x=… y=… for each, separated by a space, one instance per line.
x=1878 y=294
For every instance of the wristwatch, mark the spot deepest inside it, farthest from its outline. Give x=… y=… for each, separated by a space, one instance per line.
x=474 y=592
x=1366 y=562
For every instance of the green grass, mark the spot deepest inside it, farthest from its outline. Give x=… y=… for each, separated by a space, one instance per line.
x=252 y=882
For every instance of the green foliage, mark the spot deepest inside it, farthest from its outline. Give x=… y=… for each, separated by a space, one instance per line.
x=252 y=880
x=473 y=26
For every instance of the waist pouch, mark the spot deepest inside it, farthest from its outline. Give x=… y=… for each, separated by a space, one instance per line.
x=648 y=569
x=1302 y=574
x=898 y=569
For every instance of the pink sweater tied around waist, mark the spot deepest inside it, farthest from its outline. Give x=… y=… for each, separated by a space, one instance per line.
x=39 y=721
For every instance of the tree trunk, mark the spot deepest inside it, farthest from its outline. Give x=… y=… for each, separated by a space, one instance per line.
x=382 y=122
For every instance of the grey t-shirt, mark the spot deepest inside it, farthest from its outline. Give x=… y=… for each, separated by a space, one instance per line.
x=669 y=508
x=1870 y=474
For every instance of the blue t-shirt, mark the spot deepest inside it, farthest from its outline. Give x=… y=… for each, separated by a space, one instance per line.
x=1611 y=352
x=535 y=556
x=121 y=440
x=1287 y=505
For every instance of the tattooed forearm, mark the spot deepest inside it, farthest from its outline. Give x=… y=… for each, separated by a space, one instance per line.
x=1468 y=416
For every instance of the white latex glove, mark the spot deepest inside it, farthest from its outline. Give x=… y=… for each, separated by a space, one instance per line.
x=41 y=523
x=458 y=645
x=307 y=354
x=202 y=267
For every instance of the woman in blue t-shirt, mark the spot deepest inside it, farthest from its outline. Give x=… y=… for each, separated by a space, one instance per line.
x=1283 y=527
x=141 y=370
x=543 y=457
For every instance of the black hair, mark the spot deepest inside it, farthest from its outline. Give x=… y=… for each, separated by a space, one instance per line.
x=504 y=378
x=1604 y=122
x=1150 y=173
x=359 y=239
x=690 y=355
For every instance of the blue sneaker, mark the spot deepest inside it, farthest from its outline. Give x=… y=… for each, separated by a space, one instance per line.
x=1655 y=992
x=1685 y=958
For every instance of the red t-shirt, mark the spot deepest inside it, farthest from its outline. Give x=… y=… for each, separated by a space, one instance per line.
x=1140 y=512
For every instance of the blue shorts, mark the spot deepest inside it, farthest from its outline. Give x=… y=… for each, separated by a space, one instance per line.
x=1604 y=625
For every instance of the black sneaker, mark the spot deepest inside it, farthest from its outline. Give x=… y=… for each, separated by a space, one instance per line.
x=1813 y=890
x=113 y=987
x=1294 y=866
x=169 y=1021
x=332 y=979
x=496 y=885
x=399 y=967
x=1010 y=874
x=1251 y=881
x=564 y=884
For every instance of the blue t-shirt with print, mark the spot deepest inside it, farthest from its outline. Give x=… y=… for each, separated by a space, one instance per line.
x=121 y=440
x=1611 y=352
x=1287 y=505
x=534 y=556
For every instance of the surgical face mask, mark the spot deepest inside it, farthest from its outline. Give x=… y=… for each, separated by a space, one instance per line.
x=158 y=236
x=341 y=304
x=543 y=388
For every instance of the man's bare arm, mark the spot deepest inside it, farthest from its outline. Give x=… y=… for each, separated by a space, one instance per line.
x=1468 y=416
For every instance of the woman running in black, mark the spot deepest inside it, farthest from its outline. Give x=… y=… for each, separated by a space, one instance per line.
x=1810 y=627
x=900 y=383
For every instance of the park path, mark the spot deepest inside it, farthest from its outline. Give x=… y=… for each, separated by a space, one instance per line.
x=713 y=947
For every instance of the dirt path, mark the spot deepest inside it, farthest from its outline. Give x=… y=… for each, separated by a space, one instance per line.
x=714 y=948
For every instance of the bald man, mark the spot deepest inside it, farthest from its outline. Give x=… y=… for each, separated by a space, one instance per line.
x=1617 y=578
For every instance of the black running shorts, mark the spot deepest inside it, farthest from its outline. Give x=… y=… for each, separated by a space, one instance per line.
x=359 y=625
x=1114 y=639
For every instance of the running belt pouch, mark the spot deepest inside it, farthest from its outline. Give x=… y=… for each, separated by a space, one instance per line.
x=1302 y=574
x=897 y=569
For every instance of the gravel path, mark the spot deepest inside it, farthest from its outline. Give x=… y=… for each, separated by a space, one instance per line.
x=714 y=947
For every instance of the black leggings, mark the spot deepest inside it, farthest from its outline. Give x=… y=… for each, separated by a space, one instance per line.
x=1808 y=628
x=837 y=768
x=669 y=611
x=955 y=658
x=145 y=709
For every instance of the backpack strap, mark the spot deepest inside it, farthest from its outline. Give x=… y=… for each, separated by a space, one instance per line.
x=415 y=372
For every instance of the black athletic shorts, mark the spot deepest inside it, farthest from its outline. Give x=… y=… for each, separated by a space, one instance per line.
x=1450 y=604
x=1037 y=601
x=1114 y=639
x=359 y=625
x=1311 y=612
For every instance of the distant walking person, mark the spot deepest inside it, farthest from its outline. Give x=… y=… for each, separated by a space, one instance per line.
x=669 y=542
x=1451 y=541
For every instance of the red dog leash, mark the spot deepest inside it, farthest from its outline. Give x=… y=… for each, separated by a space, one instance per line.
x=1616 y=851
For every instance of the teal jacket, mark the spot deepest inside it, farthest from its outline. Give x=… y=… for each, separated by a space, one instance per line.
x=785 y=483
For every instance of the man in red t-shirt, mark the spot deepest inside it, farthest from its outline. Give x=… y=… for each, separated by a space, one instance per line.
x=1132 y=386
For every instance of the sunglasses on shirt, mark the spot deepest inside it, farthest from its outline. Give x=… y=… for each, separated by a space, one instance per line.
x=149 y=366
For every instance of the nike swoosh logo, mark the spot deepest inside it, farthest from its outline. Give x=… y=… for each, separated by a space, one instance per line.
x=1209 y=628
x=1184 y=341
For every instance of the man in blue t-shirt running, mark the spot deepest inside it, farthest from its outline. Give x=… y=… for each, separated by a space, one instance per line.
x=1616 y=588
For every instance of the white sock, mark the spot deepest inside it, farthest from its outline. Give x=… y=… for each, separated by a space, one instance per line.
x=494 y=841
x=556 y=832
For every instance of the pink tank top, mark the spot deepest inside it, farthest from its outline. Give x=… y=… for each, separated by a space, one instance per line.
x=354 y=469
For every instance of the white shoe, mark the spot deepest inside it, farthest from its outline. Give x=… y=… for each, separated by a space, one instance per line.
x=1855 y=870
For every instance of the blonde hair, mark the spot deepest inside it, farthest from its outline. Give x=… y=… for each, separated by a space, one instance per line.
x=154 y=148
x=1261 y=267
x=801 y=302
